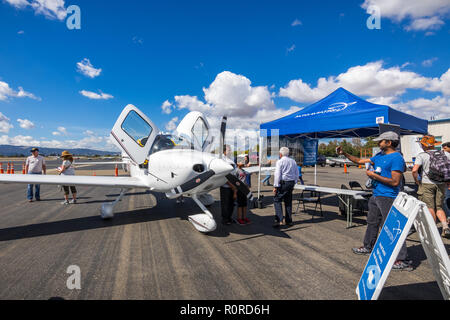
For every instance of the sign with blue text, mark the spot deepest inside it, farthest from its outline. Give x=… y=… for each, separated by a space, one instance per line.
x=310 y=148
x=390 y=240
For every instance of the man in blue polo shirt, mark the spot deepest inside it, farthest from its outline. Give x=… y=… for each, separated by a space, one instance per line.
x=389 y=166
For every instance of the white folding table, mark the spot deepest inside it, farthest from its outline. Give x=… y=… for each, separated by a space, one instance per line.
x=356 y=194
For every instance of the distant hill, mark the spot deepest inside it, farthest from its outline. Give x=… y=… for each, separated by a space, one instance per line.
x=19 y=151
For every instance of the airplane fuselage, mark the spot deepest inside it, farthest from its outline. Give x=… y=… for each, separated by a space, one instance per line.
x=169 y=169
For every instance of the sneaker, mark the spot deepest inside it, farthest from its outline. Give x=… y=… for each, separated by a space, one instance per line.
x=241 y=222
x=446 y=233
x=247 y=220
x=361 y=250
x=289 y=224
x=65 y=202
x=30 y=200
x=73 y=201
x=402 y=265
x=38 y=199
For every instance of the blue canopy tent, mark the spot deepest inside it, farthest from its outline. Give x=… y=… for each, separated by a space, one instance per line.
x=343 y=114
x=340 y=115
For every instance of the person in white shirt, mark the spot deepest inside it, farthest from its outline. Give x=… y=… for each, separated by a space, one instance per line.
x=67 y=169
x=285 y=178
x=35 y=164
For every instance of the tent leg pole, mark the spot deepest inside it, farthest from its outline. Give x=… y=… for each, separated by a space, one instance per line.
x=259 y=160
x=315 y=173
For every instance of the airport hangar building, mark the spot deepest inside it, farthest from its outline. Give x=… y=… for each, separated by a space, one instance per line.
x=438 y=128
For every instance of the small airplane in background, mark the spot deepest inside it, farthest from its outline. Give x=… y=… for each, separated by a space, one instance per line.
x=339 y=161
x=178 y=164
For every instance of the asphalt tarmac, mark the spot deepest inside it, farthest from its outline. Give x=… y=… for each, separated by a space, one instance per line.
x=151 y=251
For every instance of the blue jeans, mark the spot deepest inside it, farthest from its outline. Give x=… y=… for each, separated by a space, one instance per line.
x=267 y=178
x=37 y=190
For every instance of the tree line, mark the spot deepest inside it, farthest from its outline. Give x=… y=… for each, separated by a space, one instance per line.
x=352 y=147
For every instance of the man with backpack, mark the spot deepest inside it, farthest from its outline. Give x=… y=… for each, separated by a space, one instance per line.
x=435 y=172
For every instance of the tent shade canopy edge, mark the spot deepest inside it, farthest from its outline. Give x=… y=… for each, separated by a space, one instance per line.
x=342 y=114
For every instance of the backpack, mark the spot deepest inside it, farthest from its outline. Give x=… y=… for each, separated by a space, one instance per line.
x=439 y=166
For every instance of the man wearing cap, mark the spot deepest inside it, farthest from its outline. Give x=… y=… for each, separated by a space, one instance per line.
x=35 y=164
x=389 y=166
x=431 y=192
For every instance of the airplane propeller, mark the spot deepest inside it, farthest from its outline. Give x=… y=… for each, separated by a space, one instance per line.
x=194 y=182
x=223 y=127
x=239 y=185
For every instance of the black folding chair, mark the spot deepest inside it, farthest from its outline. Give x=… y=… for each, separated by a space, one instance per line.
x=355 y=185
x=310 y=197
x=361 y=205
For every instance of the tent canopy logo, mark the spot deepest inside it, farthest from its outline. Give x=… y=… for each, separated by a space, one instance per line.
x=335 y=107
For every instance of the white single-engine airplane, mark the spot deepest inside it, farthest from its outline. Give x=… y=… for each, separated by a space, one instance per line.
x=339 y=161
x=177 y=165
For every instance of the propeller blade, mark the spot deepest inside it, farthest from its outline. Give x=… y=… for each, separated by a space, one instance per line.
x=223 y=127
x=194 y=182
x=240 y=185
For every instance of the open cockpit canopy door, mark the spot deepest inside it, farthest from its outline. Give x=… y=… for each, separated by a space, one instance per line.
x=195 y=129
x=134 y=133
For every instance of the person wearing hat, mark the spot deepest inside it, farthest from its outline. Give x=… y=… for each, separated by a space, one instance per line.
x=432 y=193
x=35 y=164
x=68 y=170
x=389 y=166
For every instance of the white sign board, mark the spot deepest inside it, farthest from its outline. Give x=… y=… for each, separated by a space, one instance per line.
x=434 y=249
x=405 y=211
x=390 y=240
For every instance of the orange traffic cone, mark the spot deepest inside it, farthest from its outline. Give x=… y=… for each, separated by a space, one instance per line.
x=345 y=168
x=8 y=169
x=1 y=168
x=116 y=171
x=94 y=173
x=23 y=167
x=12 y=168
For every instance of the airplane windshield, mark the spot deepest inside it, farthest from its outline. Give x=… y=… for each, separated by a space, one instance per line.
x=167 y=142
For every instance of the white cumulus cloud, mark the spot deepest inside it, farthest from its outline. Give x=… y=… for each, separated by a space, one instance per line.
x=234 y=96
x=296 y=22
x=86 y=68
x=25 y=124
x=5 y=124
x=419 y=14
x=167 y=107
x=429 y=62
x=172 y=124
x=51 y=9
x=62 y=130
x=96 y=96
x=7 y=92
x=371 y=79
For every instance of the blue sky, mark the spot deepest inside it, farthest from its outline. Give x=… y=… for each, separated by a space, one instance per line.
x=261 y=58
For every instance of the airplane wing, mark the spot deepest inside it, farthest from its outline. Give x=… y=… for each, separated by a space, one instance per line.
x=338 y=160
x=99 y=163
x=256 y=169
x=110 y=182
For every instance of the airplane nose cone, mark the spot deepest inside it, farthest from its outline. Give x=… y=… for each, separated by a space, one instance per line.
x=220 y=166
